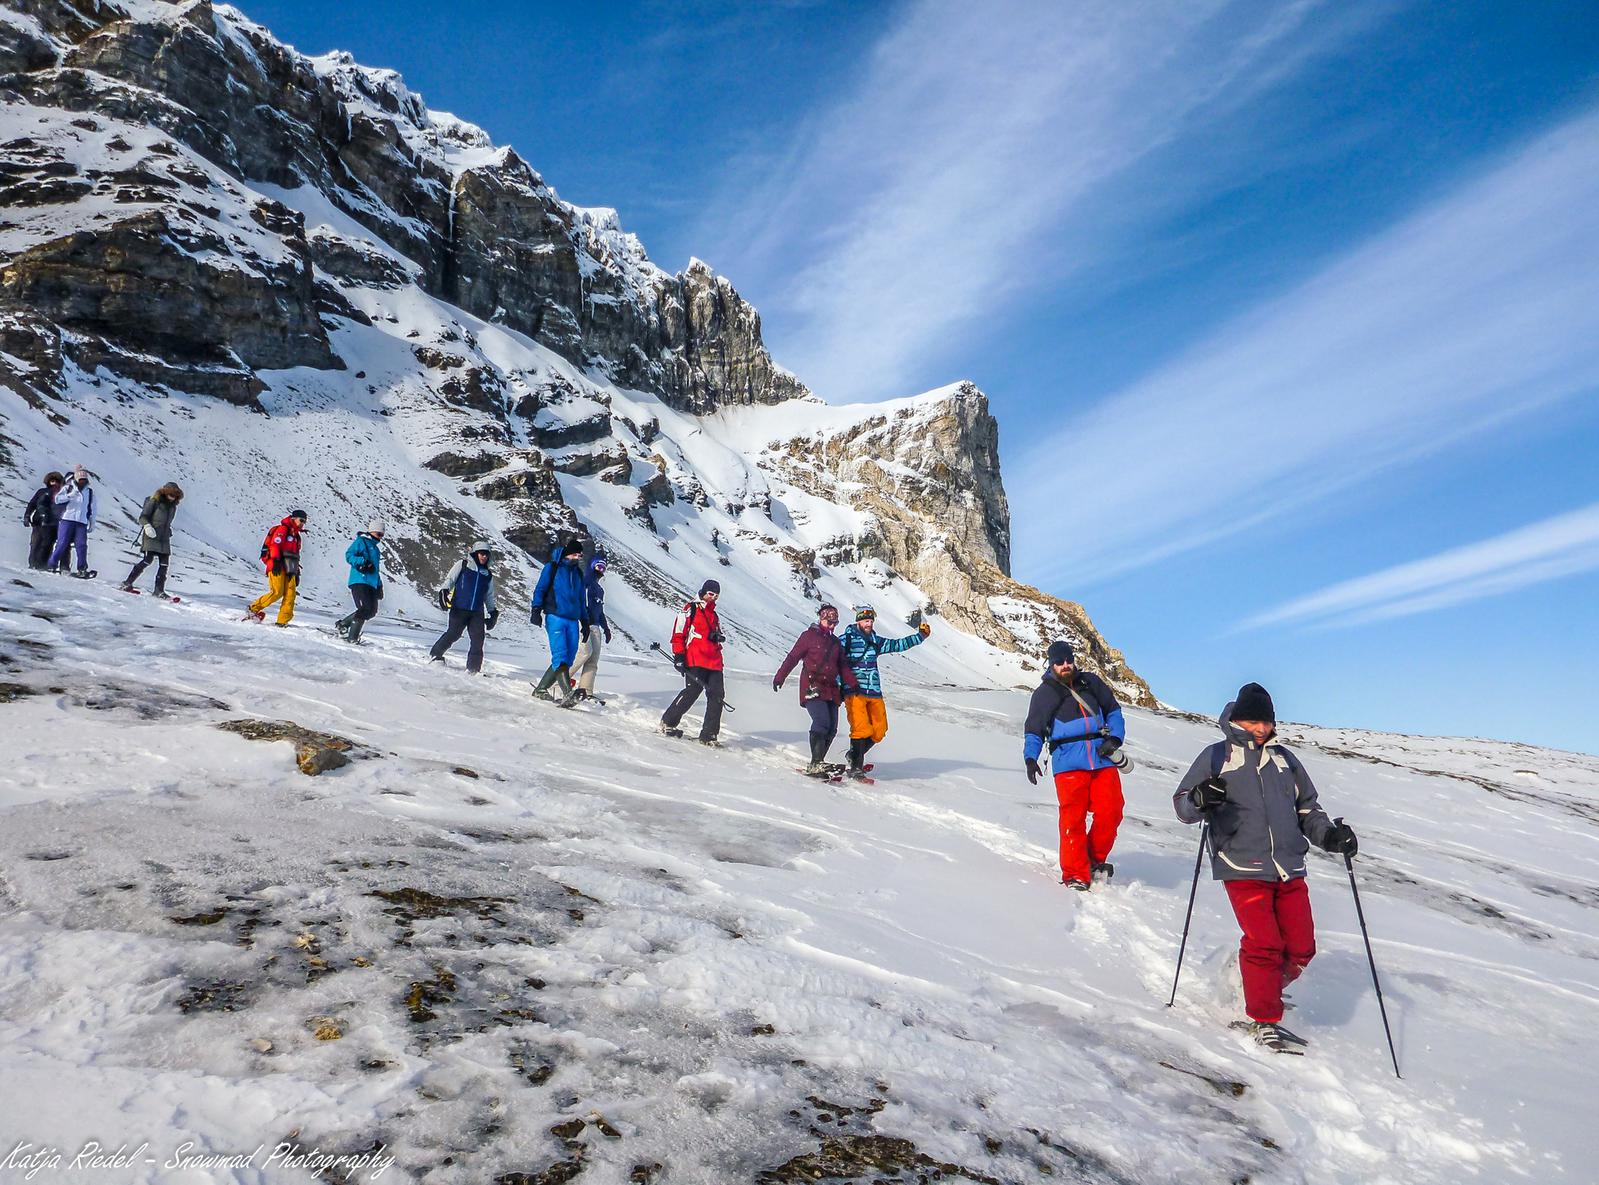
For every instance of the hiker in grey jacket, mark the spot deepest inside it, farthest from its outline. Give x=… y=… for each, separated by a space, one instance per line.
x=1263 y=815
x=155 y=536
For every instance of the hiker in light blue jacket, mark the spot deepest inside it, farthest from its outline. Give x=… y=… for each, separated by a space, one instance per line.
x=366 y=580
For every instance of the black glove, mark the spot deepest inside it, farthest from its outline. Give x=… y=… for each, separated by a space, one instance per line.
x=444 y=599
x=1108 y=746
x=366 y=567
x=1032 y=770
x=1208 y=795
x=1340 y=839
x=680 y=661
x=607 y=630
x=291 y=565
x=583 y=631
x=491 y=620
x=777 y=685
x=537 y=616
x=717 y=637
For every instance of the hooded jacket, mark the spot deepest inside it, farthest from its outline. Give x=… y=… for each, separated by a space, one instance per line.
x=42 y=510
x=361 y=555
x=697 y=636
x=825 y=673
x=281 y=551
x=471 y=587
x=1071 y=723
x=861 y=650
x=560 y=591
x=595 y=586
x=1271 y=816
x=158 y=514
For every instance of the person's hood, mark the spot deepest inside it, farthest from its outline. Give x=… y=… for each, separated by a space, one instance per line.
x=291 y=522
x=595 y=561
x=1235 y=734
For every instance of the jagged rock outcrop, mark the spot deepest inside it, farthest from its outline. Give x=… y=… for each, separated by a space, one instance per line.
x=927 y=473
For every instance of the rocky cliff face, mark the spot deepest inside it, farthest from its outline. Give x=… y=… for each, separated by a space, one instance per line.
x=926 y=475
x=389 y=300
x=488 y=233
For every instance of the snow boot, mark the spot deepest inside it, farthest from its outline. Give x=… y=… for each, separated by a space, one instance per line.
x=126 y=586
x=353 y=634
x=542 y=691
x=1080 y=886
x=563 y=684
x=1104 y=870
x=667 y=730
x=1273 y=1037
x=711 y=743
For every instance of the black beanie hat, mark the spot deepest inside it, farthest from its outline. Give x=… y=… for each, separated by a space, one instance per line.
x=1254 y=703
x=571 y=547
x=710 y=586
x=1058 y=653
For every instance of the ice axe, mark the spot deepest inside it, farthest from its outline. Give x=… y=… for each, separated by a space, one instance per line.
x=690 y=675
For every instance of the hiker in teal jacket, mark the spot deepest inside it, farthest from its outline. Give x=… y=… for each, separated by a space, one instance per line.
x=366 y=580
x=868 y=716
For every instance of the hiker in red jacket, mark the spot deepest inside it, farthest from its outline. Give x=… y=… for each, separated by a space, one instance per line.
x=697 y=655
x=825 y=676
x=280 y=554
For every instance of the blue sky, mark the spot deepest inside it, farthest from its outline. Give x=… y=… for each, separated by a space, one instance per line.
x=1289 y=311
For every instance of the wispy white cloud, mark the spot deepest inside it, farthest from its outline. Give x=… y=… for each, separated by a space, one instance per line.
x=938 y=186
x=1561 y=546
x=1473 y=311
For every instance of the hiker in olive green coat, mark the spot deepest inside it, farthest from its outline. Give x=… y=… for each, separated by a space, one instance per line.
x=155 y=536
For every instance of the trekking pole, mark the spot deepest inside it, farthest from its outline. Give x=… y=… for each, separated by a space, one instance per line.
x=726 y=707
x=1199 y=857
x=1349 y=866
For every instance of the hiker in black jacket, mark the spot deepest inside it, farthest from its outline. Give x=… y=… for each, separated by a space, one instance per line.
x=43 y=517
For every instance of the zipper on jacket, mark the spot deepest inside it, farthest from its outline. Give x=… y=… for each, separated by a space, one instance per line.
x=1265 y=812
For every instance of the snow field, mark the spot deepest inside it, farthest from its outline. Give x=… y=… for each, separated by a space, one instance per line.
x=711 y=952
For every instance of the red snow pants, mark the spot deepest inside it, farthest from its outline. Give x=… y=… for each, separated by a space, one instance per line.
x=1279 y=940
x=1081 y=792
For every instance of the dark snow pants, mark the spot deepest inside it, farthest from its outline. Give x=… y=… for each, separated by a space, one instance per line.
x=696 y=680
x=145 y=561
x=40 y=544
x=471 y=623
x=1279 y=941
x=824 y=726
x=365 y=597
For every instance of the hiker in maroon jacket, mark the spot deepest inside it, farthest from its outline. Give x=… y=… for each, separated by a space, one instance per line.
x=825 y=675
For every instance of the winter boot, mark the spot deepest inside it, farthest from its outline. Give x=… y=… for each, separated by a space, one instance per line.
x=353 y=634
x=126 y=586
x=818 y=751
x=563 y=685
x=1104 y=870
x=668 y=730
x=1273 y=1037
x=542 y=691
x=1080 y=886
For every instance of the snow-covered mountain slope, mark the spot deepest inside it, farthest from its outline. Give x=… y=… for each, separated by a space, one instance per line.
x=284 y=282
x=508 y=943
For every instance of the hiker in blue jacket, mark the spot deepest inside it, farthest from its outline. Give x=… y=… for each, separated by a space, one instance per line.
x=1075 y=713
x=868 y=715
x=561 y=605
x=366 y=580
x=468 y=596
x=587 y=663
